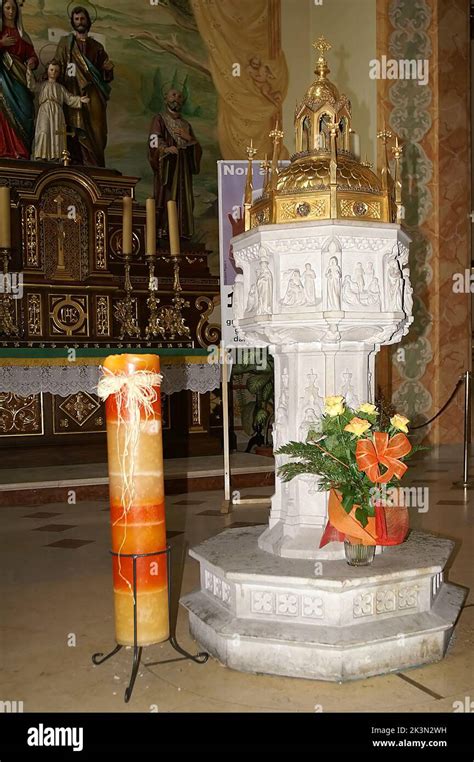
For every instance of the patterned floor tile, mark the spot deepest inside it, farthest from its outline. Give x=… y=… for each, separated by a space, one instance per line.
x=55 y=527
x=190 y=502
x=41 y=515
x=68 y=544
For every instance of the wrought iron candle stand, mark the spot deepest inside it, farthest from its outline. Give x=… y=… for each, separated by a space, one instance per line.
x=8 y=326
x=125 y=308
x=99 y=658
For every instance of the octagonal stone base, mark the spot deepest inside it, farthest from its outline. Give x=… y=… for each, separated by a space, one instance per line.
x=257 y=612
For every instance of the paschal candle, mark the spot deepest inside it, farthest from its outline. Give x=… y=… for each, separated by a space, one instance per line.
x=130 y=386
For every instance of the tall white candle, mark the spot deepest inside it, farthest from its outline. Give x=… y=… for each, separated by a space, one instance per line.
x=127 y=225
x=173 y=228
x=150 y=227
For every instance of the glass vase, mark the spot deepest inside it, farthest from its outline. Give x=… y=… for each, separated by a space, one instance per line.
x=358 y=554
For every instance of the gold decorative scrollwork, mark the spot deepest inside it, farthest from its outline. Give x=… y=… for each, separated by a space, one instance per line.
x=211 y=334
x=116 y=244
x=100 y=238
x=102 y=313
x=260 y=217
x=360 y=208
x=68 y=315
x=79 y=407
x=30 y=227
x=298 y=210
x=196 y=411
x=34 y=317
x=20 y=416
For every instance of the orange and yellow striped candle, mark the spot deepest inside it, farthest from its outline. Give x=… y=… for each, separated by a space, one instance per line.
x=130 y=386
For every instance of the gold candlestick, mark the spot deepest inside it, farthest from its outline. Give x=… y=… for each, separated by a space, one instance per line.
x=168 y=321
x=173 y=228
x=127 y=225
x=251 y=151
x=397 y=151
x=66 y=156
x=276 y=135
x=155 y=326
x=124 y=310
x=265 y=166
x=150 y=248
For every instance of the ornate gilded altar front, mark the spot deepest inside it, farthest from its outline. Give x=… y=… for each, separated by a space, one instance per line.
x=66 y=225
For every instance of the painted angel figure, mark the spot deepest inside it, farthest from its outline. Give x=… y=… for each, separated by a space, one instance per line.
x=50 y=133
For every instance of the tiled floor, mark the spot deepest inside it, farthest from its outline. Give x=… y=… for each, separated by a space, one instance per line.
x=57 y=610
x=96 y=473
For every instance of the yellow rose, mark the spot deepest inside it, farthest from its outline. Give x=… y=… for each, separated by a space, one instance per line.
x=368 y=408
x=357 y=426
x=333 y=406
x=400 y=422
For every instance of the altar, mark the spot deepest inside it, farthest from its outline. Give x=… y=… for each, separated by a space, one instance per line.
x=46 y=399
x=79 y=297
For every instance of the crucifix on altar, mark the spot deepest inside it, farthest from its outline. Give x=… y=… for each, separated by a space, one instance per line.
x=60 y=217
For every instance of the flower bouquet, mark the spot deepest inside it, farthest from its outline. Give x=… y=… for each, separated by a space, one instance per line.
x=359 y=457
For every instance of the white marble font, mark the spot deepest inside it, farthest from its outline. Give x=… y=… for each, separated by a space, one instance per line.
x=324 y=297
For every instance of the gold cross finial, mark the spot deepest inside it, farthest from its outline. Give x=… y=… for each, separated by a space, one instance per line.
x=322 y=45
x=251 y=151
x=384 y=135
x=397 y=149
x=276 y=134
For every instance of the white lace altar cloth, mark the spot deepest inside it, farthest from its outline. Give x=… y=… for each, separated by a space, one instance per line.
x=64 y=380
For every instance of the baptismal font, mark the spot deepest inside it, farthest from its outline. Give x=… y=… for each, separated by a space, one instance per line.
x=325 y=283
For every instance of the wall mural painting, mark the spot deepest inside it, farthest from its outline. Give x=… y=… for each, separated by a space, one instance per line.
x=159 y=89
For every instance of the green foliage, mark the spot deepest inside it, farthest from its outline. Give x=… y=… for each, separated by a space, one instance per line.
x=260 y=384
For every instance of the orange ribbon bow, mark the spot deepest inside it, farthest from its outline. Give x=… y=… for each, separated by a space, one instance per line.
x=370 y=453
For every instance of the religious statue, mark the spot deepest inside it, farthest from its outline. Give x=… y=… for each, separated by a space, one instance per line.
x=264 y=289
x=17 y=56
x=347 y=390
x=309 y=277
x=87 y=72
x=175 y=156
x=295 y=294
x=324 y=136
x=251 y=300
x=333 y=280
x=50 y=132
x=359 y=277
x=279 y=433
x=393 y=287
x=350 y=291
x=238 y=300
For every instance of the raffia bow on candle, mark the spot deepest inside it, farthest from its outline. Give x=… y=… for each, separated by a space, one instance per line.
x=133 y=393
